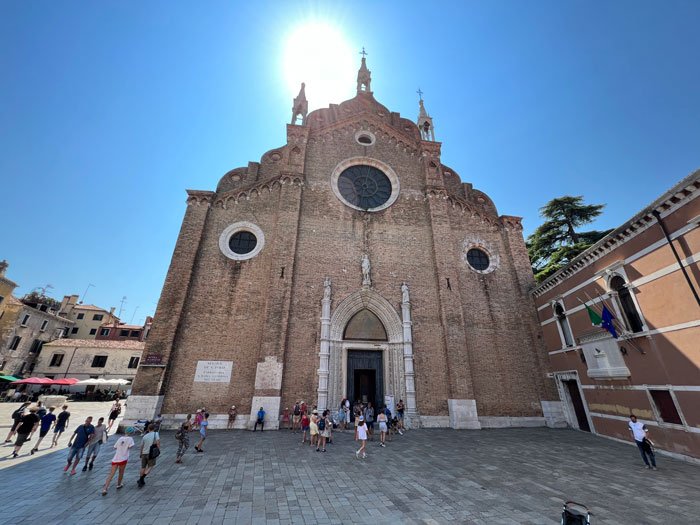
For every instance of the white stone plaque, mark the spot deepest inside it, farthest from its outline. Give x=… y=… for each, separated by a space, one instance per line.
x=213 y=372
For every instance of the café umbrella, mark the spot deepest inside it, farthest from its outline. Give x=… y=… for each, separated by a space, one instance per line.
x=103 y=382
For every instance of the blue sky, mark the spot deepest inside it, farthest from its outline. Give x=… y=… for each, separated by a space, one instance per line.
x=109 y=110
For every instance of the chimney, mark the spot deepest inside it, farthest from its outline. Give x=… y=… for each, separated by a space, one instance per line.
x=3 y=266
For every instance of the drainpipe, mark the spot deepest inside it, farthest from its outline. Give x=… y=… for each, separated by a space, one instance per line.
x=69 y=362
x=656 y=214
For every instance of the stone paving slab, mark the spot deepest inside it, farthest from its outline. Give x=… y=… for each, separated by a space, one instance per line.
x=499 y=476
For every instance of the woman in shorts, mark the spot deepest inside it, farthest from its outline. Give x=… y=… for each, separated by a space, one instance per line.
x=325 y=434
x=313 y=427
x=121 y=457
x=114 y=414
x=381 y=419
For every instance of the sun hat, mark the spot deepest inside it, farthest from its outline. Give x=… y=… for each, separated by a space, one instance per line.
x=315 y=412
x=362 y=418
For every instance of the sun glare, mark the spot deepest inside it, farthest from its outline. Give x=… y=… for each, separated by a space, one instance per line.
x=319 y=55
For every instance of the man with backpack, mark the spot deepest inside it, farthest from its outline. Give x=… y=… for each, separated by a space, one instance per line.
x=150 y=450
x=296 y=416
x=16 y=418
x=324 y=431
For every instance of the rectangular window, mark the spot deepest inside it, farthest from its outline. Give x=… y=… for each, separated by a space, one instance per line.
x=99 y=361
x=15 y=342
x=44 y=324
x=134 y=362
x=97 y=317
x=25 y=319
x=104 y=331
x=135 y=333
x=93 y=331
x=74 y=330
x=36 y=346
x=81 y=316
x=124 y=333
x=666 y=407
x=56 y=360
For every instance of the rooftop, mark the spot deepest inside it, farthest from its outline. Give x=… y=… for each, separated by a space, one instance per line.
x=97 y=343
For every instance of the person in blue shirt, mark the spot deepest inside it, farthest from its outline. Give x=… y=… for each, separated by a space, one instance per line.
x=203 y=426
x=78 y=441
x=47 y=421
x=260 y=420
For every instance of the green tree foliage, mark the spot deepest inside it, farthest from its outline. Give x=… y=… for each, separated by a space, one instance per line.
x=557 y=241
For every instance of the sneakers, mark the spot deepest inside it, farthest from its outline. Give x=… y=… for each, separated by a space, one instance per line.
x=357 y=454
x=120 y=487
x=84 y=468
x=140 y=483
x=33 y=450
x=14 y=455
x=382 y=445
x=364 y=456
x=92 y=464
x=647 y=466
x=73 y=472
x=65 y=469
x=654 y=468
x=104 y=492
x=400 y=433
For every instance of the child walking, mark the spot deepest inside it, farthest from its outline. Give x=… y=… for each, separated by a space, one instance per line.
x=361 y=434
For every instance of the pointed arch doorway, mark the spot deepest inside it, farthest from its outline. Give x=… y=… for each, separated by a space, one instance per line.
x=364 y=339
x=365 y=368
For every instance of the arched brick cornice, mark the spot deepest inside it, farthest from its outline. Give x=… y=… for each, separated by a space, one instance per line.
x=372 y=301
x=258 y=190
x=199 y=197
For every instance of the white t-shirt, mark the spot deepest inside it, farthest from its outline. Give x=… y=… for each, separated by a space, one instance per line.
x=122 y=445
x=638 y=430
x=362 y=432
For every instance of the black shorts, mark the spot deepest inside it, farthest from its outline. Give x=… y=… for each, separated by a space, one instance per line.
x=14 y=426
x=42 y=432
x=21 y=439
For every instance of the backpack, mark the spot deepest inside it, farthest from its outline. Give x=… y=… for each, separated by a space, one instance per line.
x=322 y=424
x=297 y=410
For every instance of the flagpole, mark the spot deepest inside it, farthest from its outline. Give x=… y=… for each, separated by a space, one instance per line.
x=620 y=324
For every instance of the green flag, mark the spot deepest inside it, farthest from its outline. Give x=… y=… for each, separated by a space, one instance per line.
x=595 y=318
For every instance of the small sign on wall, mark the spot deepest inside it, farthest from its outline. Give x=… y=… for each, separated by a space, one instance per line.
x=213 y=372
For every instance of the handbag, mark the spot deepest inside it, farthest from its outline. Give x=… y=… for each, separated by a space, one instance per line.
x=154 y=451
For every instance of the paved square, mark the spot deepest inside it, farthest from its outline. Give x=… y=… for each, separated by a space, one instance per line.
x=426 y=476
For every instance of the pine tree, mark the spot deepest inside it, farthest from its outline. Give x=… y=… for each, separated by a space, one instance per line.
x=556 y=241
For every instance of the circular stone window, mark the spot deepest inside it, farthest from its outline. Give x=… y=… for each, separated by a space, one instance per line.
x=365 y=184
x=478 y=259
x=241 y=241
x=365 y=138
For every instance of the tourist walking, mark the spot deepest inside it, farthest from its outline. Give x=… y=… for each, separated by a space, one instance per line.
x=183 y=438
x=61 y=424
x=324 y=428
x=305 y=423
x=119 y=461
x=361 y=435
x=99 y=437
x=260 y=420
x=296 y=416
x=25 y=427
x=16 y=418
x=47 y=421
x=369 y=420
x=80 y=439
x=41 y=412
x=232 y=413
x=399 y=414
x=640 y=433
x=198 y=417
x=381 y=419
x=313 y=428
x=203 y=426
x=114 y=413
x=150 y=450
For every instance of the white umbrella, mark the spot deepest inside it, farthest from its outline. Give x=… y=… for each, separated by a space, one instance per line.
x=102 y=382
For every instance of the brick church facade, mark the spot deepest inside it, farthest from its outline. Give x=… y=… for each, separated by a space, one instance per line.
x=348 y=262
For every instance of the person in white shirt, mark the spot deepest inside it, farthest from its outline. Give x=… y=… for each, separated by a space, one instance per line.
x=640 y=433
x=121 y=457
x=361 y=435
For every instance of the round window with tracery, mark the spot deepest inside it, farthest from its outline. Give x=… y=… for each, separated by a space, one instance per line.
x=478 y=259
x=364 y=186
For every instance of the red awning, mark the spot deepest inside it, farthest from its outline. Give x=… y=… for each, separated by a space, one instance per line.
x=65 y=381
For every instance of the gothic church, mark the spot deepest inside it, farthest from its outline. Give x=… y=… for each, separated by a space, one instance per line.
x=348 y=262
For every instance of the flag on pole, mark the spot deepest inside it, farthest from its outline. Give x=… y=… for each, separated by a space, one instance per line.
x=607 y=322
x=596 y=320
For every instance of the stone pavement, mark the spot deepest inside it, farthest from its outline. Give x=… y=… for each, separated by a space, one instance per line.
x=503 y=476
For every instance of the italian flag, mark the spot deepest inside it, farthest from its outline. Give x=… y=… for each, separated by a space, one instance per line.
x=596 y=320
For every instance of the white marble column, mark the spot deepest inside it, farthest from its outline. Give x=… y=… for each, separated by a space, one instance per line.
x=324 y=354
x=409 y=375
